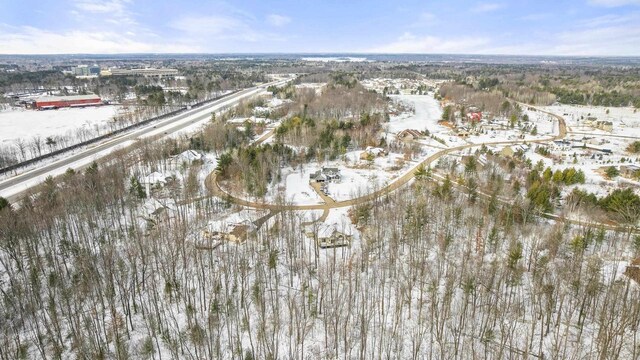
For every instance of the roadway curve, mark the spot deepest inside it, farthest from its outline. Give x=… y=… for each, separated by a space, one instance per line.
x=12 y=186
x=215 y=189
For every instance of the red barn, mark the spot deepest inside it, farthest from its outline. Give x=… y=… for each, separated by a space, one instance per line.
x=54 y=102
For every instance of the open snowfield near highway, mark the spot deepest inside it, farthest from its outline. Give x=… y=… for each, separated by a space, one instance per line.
x=26 y=124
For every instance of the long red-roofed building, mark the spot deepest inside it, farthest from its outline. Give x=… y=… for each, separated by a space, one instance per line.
x=54 y=102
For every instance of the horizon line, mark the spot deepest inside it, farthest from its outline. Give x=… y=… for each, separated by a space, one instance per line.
x=321 y=54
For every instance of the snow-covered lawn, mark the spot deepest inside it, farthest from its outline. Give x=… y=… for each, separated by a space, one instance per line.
x=294 y=188
x=426 y=115
x=357 y=182
x=359 y=177
x=27 y=124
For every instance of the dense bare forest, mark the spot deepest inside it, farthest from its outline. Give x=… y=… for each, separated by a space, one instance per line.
x=435 y=275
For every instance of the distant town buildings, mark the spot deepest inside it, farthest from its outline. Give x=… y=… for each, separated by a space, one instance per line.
x=147 y=72
x=84 y=71
x=93 y=71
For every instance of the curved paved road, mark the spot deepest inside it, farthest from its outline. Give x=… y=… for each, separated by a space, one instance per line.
x=214 y=188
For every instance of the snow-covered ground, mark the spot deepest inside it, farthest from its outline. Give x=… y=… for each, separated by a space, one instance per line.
x=357 y=182
x=295 y=188
x=626 y=120
x=26 y=124
x=357 y=178
x=545 y=123
x=426 y=115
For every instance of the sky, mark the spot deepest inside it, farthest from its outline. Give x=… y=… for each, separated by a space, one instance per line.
x=524 y=27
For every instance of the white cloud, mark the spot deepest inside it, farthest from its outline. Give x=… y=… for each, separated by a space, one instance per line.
x=608 y=20
x=487 y=7
x=95 y=12
x=600 y=36
x=221 y=27
x=93 y=6
x=410 y=43
x=31 y=40
x=620 y=40
x=278 y=20
x=216 y=26
x=211 y=25
x=614 y=3
x=608 y=35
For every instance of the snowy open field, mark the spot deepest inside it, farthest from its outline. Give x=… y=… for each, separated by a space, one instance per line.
x=26 y=124
x=426 y=115
x=626 y=120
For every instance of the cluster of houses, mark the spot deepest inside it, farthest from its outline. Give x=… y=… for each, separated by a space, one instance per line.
x=238 y=227
x=400 y=86
x=603 y=125
x=590 y=143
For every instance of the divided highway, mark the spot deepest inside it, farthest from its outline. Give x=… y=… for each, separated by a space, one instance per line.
x=11 y=188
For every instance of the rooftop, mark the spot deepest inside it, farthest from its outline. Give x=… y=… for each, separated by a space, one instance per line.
x=69 y=98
